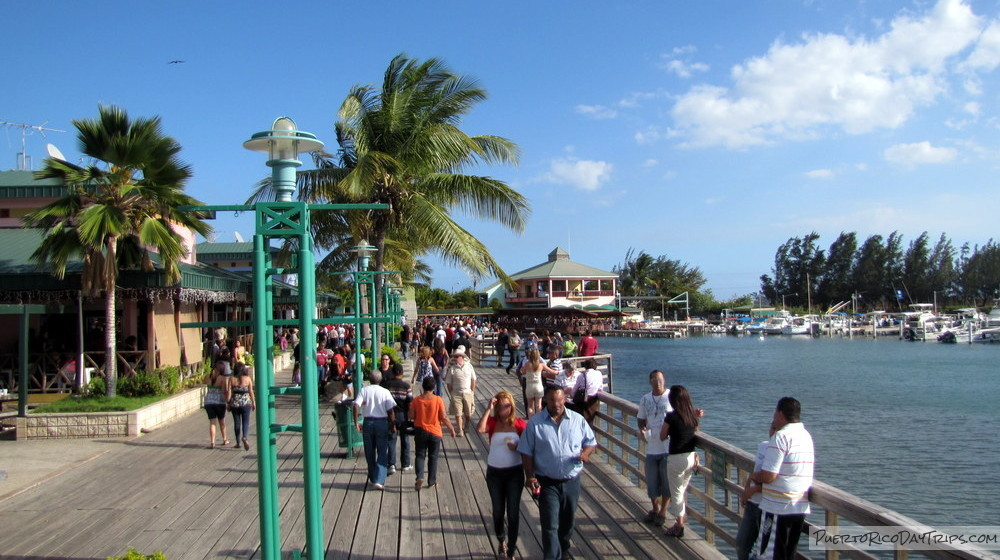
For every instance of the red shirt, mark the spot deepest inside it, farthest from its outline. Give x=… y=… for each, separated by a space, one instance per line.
x=588 y=346
x=491 y=425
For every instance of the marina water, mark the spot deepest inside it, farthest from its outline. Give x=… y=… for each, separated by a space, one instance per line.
x=907 y=425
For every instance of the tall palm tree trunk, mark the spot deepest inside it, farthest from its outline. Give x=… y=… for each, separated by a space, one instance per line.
x=110 y=328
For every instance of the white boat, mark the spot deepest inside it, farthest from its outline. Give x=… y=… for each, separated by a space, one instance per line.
x=987 y=336
x=775 y=325
x=798 y=325
x=919 y=323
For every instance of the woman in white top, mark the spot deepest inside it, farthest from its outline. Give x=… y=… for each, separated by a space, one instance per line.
x=531 y=371
x=504 y=472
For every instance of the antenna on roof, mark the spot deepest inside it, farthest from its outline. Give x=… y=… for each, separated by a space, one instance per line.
x=25 y=128
x=239 y=238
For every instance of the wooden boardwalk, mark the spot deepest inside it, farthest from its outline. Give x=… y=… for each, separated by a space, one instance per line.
x=166 y=491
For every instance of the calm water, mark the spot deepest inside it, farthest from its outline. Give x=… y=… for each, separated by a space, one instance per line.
x=910 y=426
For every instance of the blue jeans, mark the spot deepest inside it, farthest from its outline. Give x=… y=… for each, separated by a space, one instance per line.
x=505 y=487
x=404 y=443
x=556 y=509
x=657 y=484
x=241 y=421
x=428 y=445
x=515 y=358
x=746 y=536
x=375 y=435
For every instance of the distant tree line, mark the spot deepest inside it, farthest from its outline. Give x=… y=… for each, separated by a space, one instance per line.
x=880 y=269
x=438 y=298
x=645 y=275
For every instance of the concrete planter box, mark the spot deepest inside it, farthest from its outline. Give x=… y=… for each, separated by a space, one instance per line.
x=110 y=424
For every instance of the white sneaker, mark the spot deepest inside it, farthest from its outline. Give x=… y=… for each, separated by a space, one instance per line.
x=407 y=469
x=392 y=469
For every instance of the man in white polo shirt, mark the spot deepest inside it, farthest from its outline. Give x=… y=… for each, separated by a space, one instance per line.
x=375 y=404
x=786 y=474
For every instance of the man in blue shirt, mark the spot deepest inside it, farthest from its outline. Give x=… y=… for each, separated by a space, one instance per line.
x=554 y=446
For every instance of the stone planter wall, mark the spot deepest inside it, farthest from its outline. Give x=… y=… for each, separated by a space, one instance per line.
x=110 y=424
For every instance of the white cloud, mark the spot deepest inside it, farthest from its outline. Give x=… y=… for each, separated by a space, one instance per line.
x=650 y=163
x=648 y=136
x=631 y=101
x=597 y=111
x=795 y=91
x=714 y=200
x=986 y=55
x=919 y=153
x=972 y=108
x=580 y=173
x=820 y=174
x=684 y=69
x=680 y=64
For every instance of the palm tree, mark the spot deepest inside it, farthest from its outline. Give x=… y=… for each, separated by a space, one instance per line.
x=116 y=210
x=401 y=145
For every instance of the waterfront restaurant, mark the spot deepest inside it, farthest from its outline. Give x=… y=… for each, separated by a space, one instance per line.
x=558 y=294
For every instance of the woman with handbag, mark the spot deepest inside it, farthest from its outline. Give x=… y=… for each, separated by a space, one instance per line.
x=241 y=403
x=585 y=393
x=504 y=471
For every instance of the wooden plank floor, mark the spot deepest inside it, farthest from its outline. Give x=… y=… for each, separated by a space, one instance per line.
x=166 y=491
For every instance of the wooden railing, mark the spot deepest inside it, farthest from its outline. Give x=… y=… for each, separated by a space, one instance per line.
x=724 y=470
x=484 y=352
x=46 y=376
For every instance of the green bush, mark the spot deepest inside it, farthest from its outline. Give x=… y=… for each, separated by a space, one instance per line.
x=96 y=387
x=142 y=384
x=170 y=379
x=392 y=332
x=165 y=381
x=133 y=554
x=392 y=352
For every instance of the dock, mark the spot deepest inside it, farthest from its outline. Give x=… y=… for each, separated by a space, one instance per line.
x=165 y=491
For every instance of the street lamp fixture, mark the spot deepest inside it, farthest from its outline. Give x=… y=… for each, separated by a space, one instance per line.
x=364 y=252
x=283 y=144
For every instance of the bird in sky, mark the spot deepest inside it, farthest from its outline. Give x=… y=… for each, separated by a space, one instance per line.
x=176 y=62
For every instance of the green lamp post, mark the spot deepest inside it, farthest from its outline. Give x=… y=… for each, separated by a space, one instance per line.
x=285 y=218
x=364 y=303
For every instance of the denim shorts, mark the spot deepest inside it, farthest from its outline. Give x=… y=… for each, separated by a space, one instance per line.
x=657 y=484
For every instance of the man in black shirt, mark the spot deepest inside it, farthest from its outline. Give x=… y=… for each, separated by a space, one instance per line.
x=403 y=396
x=502 y=340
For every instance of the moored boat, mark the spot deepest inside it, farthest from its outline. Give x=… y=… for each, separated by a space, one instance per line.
x=798 y=325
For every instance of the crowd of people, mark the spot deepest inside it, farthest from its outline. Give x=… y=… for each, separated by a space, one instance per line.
x=544 y=452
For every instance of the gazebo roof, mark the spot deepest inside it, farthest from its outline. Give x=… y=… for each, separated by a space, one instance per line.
x=558 y=266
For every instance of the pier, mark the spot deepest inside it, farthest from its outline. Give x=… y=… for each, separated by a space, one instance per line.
x=165 y=491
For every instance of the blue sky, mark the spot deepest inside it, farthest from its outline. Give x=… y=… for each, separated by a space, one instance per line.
x=709 y=132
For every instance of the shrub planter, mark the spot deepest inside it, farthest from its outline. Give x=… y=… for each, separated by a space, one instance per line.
x=110 y=424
